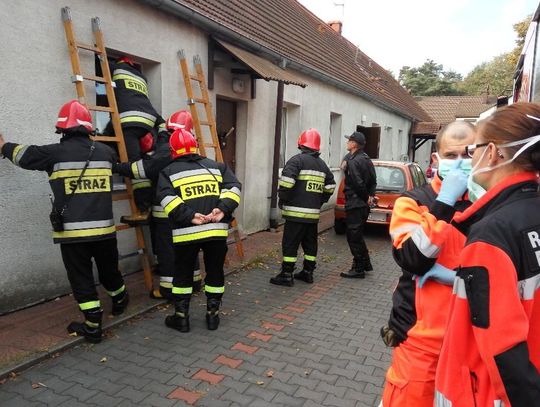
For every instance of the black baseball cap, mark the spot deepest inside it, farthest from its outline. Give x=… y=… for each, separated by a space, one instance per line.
x=357 y=136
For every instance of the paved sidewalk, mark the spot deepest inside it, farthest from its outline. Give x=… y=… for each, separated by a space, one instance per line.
x=309 y=345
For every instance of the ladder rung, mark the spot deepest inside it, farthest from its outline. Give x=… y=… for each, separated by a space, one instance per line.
x=122 y=227
x=195 y=78
x=95 y=78
x=100 y=108
x=120 y=196
x=209 y=145
x=107 y=139
x=88 y=47
x=203 y=123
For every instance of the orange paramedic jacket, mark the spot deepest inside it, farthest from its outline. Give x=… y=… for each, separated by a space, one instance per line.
x=422 y=235
x=491 y=351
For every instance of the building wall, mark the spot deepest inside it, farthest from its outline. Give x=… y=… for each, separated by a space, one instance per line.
x=36 y=82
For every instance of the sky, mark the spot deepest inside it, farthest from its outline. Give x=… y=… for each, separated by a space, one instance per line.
x=459 y=34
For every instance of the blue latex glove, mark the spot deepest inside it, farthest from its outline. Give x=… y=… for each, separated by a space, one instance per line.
x=453 y=185
x=438 y=273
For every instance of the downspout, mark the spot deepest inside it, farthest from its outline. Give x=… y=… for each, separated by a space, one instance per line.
x=205 y=23
x=275 y=165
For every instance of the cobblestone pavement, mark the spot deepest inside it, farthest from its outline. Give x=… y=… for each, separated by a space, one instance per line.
x=309 y=345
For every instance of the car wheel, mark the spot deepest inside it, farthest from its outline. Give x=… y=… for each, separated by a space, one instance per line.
x=340 y=227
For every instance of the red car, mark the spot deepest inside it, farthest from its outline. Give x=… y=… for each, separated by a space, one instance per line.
x=393 y=178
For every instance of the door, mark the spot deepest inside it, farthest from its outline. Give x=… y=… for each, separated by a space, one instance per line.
x=373 y=137
x=226 y=130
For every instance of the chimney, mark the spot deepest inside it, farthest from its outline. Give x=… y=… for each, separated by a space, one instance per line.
x=336 y=26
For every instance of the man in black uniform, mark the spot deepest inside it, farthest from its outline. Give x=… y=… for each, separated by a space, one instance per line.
x=360 y=183
x=306 y=183
x=80 y=178
x=149 y=167
x=199 y=196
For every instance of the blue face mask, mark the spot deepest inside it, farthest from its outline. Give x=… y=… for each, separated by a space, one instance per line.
x=446 y=164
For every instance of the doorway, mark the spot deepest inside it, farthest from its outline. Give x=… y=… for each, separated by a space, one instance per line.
x=226 y=130
x=373 y=139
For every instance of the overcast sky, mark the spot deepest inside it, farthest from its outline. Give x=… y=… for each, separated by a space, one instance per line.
x=459 y=34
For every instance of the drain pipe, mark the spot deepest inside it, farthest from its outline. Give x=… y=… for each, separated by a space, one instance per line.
x=275 y=165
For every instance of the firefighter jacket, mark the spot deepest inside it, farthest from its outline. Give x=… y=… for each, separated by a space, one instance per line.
x=421 y=236
x=148 y=168
x=306 y=183
x=193 y=184
x=360 y=180
x=131 y=93
x=491 y=351
x=89 y=214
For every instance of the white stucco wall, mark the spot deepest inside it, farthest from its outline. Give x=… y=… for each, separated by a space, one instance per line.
x=35 y=83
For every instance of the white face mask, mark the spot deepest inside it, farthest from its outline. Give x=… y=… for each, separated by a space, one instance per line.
x=476 y=191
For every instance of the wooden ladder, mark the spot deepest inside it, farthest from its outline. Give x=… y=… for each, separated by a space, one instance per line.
x=210 y=122
x=78 y=78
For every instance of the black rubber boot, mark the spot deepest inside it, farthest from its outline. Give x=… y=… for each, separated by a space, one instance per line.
x=90 y=328
x=212 y=313
x=356 y=271
x=180 y=319
x=307 y=273
x=285 y=277
x=366 y=262
x=120 y=303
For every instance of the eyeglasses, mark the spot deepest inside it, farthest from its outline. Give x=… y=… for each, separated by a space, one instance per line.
x=471 y=148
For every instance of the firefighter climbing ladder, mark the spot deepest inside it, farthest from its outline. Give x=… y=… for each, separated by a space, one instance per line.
x=210 y=122
x=79 y=78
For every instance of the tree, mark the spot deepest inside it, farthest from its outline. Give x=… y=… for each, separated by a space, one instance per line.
x=429 y=80
x=520 y=29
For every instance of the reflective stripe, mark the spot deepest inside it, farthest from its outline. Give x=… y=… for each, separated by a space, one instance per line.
x=158 y=212
x=310 y=178
x=170 y=202
x=137 y=119
x=195 y=178
x=330 y=187
x=313 y=172
x=84 y=232
x=441 y=401
x=197 y=277
x=299 y=209
x=233 y=193
x=423 y=244
x=166 y=279
x=287 y=182
x=141 y=183
x=18 y=153
x=310 y=258
x=190 y=173
x=89 y=305
x=115 y=293
x=288 y=259
x=88 y=224
x=140 y=167
x=200 y=232
x=214 y=290
x=91 y=324
x=166 y=282
x=138 y=114
x=75 y=165
x=75 y=173
x=128 y=73
x=528 y=287
x=408 y=227
x=182 y=290
x=300 y=215
x=498 y=403
x=459 y=288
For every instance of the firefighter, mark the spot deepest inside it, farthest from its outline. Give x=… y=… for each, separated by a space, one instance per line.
x=137 y=117
x=360 y=183
x=199 y=196
x=306 y=183
x=80 y=177
x=148 y=168
x=424 y=240
x=491 y=350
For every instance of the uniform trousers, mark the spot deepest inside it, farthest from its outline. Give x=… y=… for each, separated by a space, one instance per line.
x=296 y=234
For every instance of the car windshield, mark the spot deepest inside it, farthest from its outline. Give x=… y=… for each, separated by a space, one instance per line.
x=390 y=179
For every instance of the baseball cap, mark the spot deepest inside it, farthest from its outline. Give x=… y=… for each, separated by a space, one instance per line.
x=358 y=137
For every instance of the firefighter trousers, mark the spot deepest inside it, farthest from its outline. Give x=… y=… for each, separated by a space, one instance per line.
x=142 y=195
x=164 y=250
x=214 y=252
x=294 y=235
x=77 y=259
x=355 y=220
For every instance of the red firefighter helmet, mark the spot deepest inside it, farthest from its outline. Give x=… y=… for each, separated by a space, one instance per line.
x=146 y=143
x=180 y=120
x=126 y=59
x=73 y=115
x=182 y=143
x=310 y=139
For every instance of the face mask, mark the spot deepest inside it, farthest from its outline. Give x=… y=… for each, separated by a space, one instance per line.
x=446 y=164
x=476 y=191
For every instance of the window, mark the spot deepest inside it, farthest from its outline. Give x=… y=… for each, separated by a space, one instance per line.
x=390 y=179
x=334 y=141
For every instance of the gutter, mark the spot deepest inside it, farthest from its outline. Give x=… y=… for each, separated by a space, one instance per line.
x=214 y=28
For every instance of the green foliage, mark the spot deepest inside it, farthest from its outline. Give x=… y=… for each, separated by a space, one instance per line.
x=494 y=77
x=429 y=80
